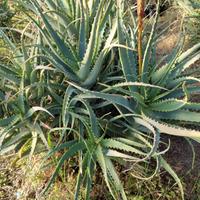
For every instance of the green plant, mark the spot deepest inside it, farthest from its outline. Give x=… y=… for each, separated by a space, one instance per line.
x=65 y=91
x=16 y=105
x=163 y=96
x=43 y=87
x=165 y=89
x=5 y=13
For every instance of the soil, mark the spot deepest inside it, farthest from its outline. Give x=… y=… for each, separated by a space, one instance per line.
x=180 y=157
x=10 y=179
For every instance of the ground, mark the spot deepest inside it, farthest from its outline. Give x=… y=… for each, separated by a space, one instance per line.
x=180 y=157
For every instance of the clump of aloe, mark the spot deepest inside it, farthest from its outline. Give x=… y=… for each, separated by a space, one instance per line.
x=85 y=82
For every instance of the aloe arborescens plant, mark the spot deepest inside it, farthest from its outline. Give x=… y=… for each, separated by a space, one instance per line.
x=45 y=86
x=67 y=90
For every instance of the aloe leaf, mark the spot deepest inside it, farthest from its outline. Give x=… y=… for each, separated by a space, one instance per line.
x=4 y=132
x=34 y=109
x=87 y=60
x=27 y=64
x=106 y=15
x=172 y=129
x=60 y=147
x=78 y=186
x=111 y=143
x=193 y=153
x=82 y=34
x=24 y=148
x=9 y=148
x=17 y=54
x=168 y=168
x=33 y=144
x=36 y=128
x=8 y=74
x=86 y=161
x=160 y=74
x=177 y=93
x=130 y=142
x=92 y=77
x=65 y=24
x=90 y=172
x=186 y=79
x=73 y=150
x=113 y=99
x=117 y=154
x=188 y=53
x=45 y=35
x=179 y=115
x=13 y=141
x=64 y=49
x=167 y=94
x=146 y=56
x=104 y=21
x=92 y=116
x=156 y=137
x=192 y=106
x=65 y=104
x=129 y=69
x=61 y=66
x=93 y=5
x=156 y=171
x=7 y=121
x=51 y=4
x=101 y=161
x=138 y=84
x=115 y=179
x=180 y=67
x=167 y=105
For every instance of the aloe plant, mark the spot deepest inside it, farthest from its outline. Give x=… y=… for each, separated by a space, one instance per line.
x=78 y=31
x=17 y=108
x=168 y=87
x=66 y=91
x=45 y=87
x=163 y=94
